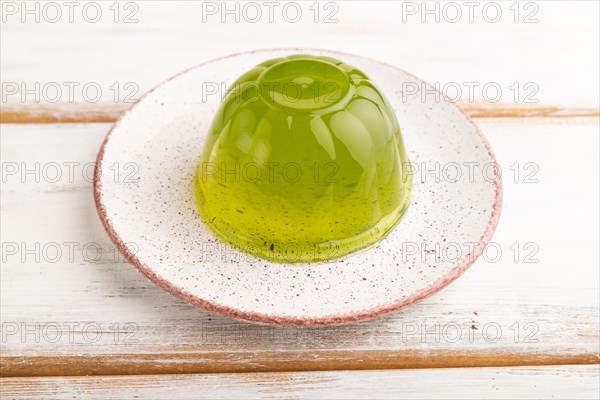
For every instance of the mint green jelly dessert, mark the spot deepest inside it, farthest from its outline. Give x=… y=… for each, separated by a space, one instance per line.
x=304 y=162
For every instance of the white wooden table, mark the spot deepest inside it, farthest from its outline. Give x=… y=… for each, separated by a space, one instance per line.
x=79 y=322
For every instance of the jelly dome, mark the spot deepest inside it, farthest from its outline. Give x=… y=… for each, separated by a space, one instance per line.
x=304 y=161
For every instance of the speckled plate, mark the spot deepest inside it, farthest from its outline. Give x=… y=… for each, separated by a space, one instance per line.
x=143 y=192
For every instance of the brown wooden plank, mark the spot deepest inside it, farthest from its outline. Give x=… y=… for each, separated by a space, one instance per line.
x=270 y=361
x=61 y=113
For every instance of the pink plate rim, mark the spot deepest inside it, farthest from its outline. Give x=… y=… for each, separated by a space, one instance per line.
x=261 y=318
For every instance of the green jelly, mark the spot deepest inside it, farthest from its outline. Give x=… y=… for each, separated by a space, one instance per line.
x=304 y=162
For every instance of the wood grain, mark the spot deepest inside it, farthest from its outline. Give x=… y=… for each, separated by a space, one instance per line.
x=114 y=321
x=225 y=361
x=567 y=382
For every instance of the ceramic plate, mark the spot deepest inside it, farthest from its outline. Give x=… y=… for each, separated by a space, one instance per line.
x=143 y=192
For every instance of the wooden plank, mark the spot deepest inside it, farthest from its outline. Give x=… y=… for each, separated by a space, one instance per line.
x=61 y=114
x=81 y=113
x=223 y=360
x=73 y=314
x=564 y=382
x=502 y=54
